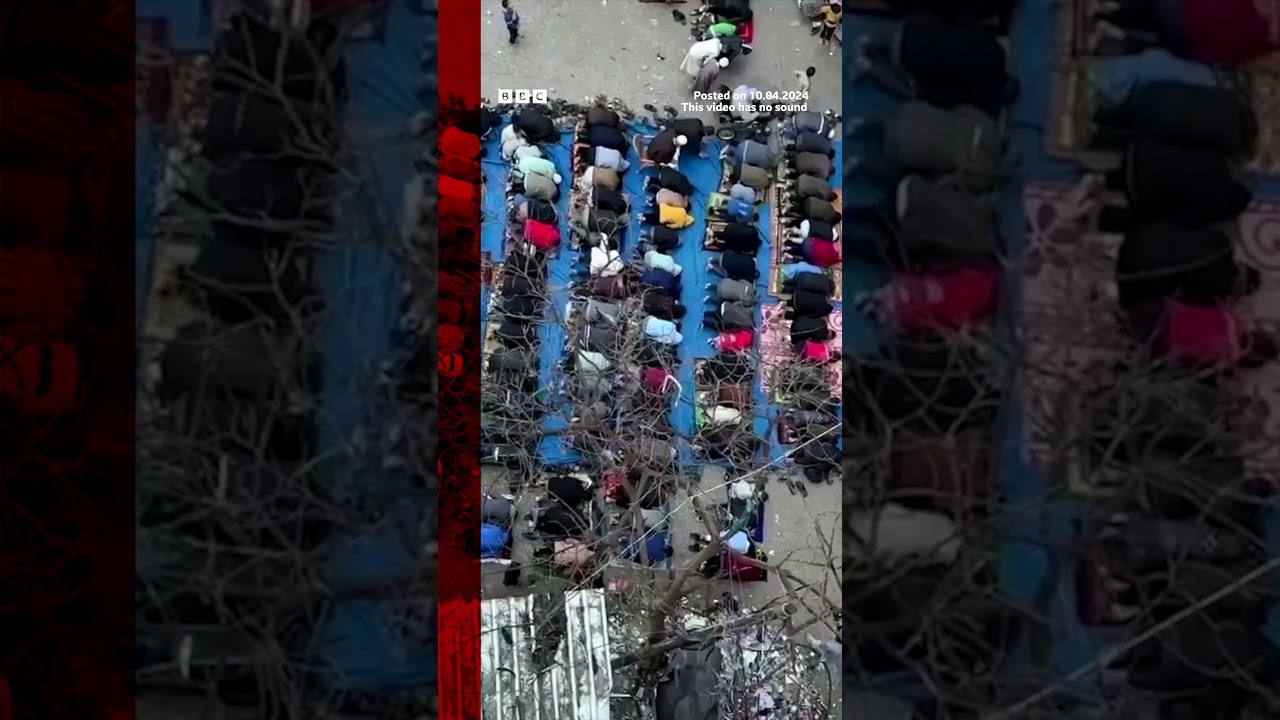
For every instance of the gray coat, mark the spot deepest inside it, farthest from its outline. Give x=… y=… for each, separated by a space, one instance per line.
x=964 y=142
x=813 y=164
x=750 y=152
x=754 y=177
x=736 y=291
x=943 y=220
x=599 y=312
x=814 y=187
x=736 y=317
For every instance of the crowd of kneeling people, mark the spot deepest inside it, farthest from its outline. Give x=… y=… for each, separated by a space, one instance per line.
x=940 y=156
x=1182 y=138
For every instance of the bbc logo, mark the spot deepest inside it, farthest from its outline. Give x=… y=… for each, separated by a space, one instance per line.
x=522 y=97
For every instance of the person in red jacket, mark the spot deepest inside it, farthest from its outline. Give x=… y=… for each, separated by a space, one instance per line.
x=733 y=341
x=543 y=236
x=1201 y=336
x=820 y=252
x=920 y=303
x=1215 y=32
x=817 y=352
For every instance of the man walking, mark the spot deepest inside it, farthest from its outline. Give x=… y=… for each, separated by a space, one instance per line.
x=512 y=19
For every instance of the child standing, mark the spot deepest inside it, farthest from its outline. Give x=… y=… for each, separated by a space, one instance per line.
x=804 y=79
x=512 y=19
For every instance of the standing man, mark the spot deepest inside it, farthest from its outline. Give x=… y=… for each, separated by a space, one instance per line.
x=512 y=19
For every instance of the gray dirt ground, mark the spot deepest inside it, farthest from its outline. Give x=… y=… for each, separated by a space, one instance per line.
x=632 y=51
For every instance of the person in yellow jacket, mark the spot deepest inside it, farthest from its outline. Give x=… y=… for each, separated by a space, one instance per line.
x=831 y=16
x=671 y=216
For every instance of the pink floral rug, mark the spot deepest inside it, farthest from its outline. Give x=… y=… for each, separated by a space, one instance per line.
x=1070 y=336
x=1067 y=329
x=1260 y=247
x=775 y=347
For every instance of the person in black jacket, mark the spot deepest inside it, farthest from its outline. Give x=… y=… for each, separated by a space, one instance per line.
x=1159 y=261
x=820 y=283
x=733 y=265
x=1208 y=118
x=809 y=328
x=809 y=304
x=738 y=237
x=670 y=179
x=1189 y=187
x=661 y=305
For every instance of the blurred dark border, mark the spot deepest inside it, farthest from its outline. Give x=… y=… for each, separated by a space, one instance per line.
x=67 y=110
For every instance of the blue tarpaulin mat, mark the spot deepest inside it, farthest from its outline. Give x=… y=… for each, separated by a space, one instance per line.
x=362 y=641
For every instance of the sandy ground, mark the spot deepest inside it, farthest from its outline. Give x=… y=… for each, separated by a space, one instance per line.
x=632 y=51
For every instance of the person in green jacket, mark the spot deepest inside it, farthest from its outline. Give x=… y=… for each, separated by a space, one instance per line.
x=721 y=29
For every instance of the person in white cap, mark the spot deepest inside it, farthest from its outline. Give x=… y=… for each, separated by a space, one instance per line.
x=661 y=149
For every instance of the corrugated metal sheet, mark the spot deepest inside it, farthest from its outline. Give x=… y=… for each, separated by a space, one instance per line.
x=546 y=657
